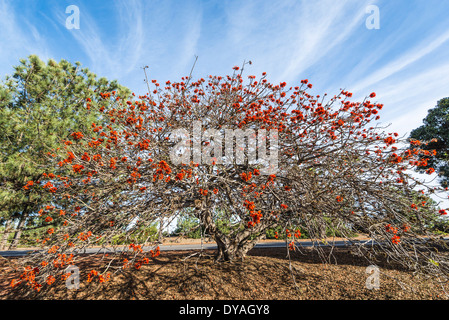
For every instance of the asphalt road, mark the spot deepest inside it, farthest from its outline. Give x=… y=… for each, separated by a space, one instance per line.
x=178 y=247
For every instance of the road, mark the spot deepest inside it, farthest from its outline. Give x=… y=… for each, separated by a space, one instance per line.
x=206 y=246
x=196 y=246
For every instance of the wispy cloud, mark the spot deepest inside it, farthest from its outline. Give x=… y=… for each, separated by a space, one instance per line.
x=320 y=29
x=406 y=102
x=325 y=41
x=411 y=56
x=115 y=55
x=284 y=38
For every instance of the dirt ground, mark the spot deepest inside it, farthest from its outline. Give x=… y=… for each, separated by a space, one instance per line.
x=264 y=274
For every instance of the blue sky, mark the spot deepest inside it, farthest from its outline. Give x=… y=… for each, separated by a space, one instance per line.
x=405 y=61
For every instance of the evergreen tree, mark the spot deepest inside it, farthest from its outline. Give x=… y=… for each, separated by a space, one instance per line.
x=40 y=105
x=435 y=132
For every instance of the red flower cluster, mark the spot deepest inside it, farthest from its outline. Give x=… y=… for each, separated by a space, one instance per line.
x=136 y=248
x=77 y=168
x=389 y=228
x=396 y=239
x=246 y=176
x=28 y=185
x=28 y=276
x=77 y=135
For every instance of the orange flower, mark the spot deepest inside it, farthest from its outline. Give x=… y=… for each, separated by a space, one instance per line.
x=77 y=135
x=50 y=279
x=125 y=263
x=85 y=157
x=395 y=239
x=13 y=283
x=180 y=176
x=246 y=176
x=77 y=168
x=28 y=185
x=291 y=246
x=53 y=249
x=155 y=253
x=91 y=275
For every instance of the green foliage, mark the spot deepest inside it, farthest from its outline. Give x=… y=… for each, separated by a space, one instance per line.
x=143 y=234
x=139 y=235
x=188 y=226
x=436 y=126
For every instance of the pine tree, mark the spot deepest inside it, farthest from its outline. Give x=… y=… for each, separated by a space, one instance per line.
x=435 y=131
x=40 y=105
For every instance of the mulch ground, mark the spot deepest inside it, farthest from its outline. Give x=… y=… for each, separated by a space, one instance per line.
x=265 y=274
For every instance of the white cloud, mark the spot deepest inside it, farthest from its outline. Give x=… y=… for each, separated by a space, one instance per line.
x=411 y=56
x=112 y=55
x=320 y=29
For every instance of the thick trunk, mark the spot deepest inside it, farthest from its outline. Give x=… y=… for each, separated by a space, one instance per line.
x=230 y=250
x=235 y=246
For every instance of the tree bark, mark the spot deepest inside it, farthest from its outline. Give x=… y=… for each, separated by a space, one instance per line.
x=234 y=246
x=18 y=230
x=4 y=240
x=230 y=250
x=160 y=236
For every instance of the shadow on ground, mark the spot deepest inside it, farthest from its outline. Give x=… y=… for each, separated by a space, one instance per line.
x=265 y=274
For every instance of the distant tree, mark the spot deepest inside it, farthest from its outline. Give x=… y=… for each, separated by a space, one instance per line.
x=40 y=105
x=434 y=131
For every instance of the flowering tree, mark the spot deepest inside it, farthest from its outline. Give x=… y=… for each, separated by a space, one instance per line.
x=436 y=129
x=322 y=162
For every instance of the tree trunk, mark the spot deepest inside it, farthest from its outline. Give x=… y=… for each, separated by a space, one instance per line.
x=18 y=230
x=234 y=246
x=230 y=250
x=5 y=235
